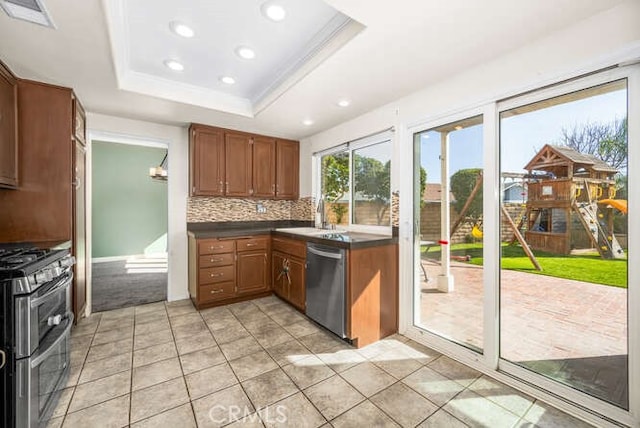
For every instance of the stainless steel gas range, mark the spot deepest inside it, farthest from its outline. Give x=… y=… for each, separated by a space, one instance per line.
x=36 y=320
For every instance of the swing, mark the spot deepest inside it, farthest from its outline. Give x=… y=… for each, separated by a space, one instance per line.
x=476 y=232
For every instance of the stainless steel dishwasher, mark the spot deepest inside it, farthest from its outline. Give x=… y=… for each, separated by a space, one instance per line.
x=326 y=287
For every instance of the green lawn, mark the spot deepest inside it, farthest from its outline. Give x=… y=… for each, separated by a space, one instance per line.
x=588 y=268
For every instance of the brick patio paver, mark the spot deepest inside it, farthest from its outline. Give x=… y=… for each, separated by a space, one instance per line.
x=542 y=317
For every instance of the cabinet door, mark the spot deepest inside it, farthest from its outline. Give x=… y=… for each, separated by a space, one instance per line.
x=8 y=129
x=279 y=281
x=253 y=272
x=264 y=167
x=297 y=288
x=79 y=232
x=287 y=169
x=43 y=209
x=207 y=162
x=238 y=160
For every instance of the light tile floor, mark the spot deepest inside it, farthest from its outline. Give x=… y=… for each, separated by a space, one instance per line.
x=261 y=363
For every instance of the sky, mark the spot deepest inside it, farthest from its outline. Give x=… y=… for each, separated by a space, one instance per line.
x=521 y=136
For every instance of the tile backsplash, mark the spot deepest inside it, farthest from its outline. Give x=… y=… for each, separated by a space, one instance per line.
x=204 y=209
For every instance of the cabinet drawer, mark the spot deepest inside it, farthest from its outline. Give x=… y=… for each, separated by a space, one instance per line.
x=215 y=246
x=250 y=244
x=217 y=274
x=213 y=260
x=210 y=292
x=291 y=247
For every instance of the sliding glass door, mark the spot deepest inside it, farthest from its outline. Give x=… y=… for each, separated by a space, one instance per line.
x=448 y=163
x=563 y=277
x=524 y=255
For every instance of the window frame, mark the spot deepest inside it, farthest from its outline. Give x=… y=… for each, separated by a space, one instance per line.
x=350 y=147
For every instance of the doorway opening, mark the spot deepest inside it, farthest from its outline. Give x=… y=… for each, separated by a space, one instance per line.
x=129 y=224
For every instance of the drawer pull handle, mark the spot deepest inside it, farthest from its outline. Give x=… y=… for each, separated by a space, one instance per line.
x=216 y=260
x=215 y=275
x=220 y=290
x=219 y=247
x=251 y=245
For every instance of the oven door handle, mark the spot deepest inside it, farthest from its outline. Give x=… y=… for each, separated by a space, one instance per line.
x=60 y=286
x=35 y=361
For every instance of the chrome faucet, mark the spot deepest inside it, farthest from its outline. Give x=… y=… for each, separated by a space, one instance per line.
x=320 y=210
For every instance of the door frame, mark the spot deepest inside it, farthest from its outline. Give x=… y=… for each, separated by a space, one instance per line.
x=560 y=396
x=115 y=138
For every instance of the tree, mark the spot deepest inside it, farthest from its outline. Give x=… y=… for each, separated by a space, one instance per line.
x=423 y=185
x=335 y=182
x=373 y=181
x=462 y=184
x=606 y=141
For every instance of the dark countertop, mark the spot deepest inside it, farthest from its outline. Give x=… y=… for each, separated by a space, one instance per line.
x=349 y=240
x=229 y=229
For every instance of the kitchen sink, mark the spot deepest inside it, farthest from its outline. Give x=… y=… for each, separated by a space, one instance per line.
x=311 y=231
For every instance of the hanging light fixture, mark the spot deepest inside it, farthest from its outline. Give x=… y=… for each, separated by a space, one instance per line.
x=160 y=172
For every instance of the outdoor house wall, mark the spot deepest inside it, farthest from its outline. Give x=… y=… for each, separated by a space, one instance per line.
x=177 y=139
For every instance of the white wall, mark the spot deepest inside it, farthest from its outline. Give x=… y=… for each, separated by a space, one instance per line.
x=177 y=139
x=599 y=41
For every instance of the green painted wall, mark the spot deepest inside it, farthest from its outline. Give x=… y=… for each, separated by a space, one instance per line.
x=129 y=209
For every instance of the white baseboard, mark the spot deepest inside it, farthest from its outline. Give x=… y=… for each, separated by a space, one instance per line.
x=122 y=258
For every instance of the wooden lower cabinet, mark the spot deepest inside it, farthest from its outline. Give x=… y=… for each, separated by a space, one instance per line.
x=253 y=271
x=289 y=266
x=289 y=279
x=223 y=271
x=372 y=294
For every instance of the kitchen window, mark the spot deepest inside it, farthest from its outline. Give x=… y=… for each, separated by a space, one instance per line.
x=355 y=184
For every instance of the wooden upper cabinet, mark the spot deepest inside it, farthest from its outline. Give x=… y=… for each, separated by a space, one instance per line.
x=287 y=169
x=264 y=167
x=207 y=161
x=79 y=122
x=238 y=162
x=41 y=209
x=8 y=129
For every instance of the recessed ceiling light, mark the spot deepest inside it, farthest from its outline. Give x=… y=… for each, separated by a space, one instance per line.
x=245 y=52
x=181 y=29
x=228 y=80
x=174 y=65
x=307 y=122
x=344 y=103
x=273 y=11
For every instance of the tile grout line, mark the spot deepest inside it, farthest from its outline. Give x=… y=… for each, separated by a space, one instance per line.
x=84 y=360
x=300 y=390
x=168 y=380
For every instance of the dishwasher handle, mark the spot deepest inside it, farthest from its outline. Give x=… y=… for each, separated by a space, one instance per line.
x=314 y=250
